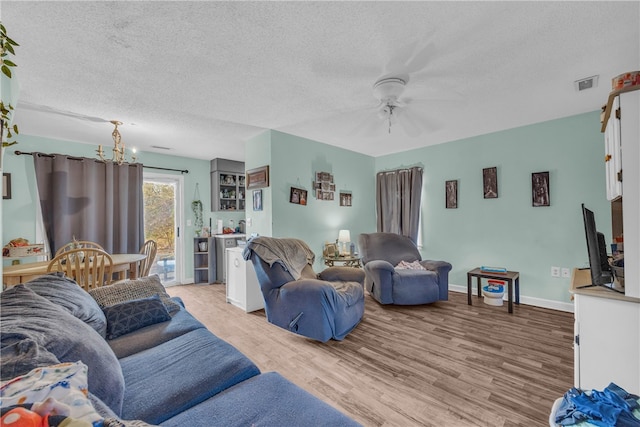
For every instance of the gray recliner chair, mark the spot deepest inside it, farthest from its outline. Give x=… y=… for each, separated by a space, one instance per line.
x=382 y=252
x=320 y=306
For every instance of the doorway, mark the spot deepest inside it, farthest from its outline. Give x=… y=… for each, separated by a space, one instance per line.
x=163 y=222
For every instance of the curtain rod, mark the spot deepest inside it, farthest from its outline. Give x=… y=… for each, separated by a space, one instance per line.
x=18 y=153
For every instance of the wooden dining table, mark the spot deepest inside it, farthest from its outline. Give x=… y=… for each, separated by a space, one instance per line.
x=21 y=273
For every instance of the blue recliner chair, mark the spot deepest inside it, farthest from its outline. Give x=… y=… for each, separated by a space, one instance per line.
x=382 y=252
x=319 y=306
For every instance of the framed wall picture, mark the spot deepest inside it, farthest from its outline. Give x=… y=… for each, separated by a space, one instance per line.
x=490 y=182
x=451 y=194
x=345 y=199
x=540 y=189
x=258 y=177
x=6 y=185
x=324 y=186
x=298 y=196
x=257 y=200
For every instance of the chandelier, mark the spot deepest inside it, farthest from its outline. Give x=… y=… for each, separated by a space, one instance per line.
x=118 y=147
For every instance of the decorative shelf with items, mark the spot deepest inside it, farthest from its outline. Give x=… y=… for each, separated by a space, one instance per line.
x=204 y=260
x=227 y=185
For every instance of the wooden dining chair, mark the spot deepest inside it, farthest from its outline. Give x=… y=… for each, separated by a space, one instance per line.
x=78 y=244
x=149 y=248
x=89 y=267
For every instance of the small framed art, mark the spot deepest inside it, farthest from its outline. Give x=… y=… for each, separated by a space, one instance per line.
x=257 y=200
x=298 y=196
x=451 y=194
x=6 y=185
x=258 y=177
x=540 y=189
x=490 y=182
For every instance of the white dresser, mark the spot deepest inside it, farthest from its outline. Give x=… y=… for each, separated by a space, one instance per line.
x=243 y=289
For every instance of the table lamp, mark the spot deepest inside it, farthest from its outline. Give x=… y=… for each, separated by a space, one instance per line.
x=344 y=237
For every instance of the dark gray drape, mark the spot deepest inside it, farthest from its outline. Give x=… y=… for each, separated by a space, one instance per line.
x=91 y=200
x=398 y=195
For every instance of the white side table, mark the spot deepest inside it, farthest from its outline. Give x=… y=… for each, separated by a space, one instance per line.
x=243 y=289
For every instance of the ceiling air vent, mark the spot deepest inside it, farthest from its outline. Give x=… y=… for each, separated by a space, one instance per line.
x=160 y=148
x=586 y=83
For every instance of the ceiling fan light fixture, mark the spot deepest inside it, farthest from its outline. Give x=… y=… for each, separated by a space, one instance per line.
x=388 y=89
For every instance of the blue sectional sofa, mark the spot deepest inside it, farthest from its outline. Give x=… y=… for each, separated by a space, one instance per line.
x=171 y=372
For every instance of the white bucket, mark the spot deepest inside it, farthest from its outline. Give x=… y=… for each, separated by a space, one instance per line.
x=493 y=292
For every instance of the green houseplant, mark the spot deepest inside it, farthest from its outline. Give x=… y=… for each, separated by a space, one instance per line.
x=7 y=50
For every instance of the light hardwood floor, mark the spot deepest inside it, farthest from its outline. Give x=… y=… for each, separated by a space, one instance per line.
x=443 y=364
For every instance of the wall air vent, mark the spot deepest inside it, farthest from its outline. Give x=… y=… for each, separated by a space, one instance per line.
x=160 y=147
x=586 y=83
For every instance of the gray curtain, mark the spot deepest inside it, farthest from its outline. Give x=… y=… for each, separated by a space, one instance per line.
x=91 y=200
x=398 y=195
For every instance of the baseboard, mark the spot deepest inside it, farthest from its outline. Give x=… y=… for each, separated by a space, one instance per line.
x=537 y=302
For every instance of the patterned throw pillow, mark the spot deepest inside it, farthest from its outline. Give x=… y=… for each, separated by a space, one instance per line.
x=64 y=382
x=130 y=316
x=128 y=290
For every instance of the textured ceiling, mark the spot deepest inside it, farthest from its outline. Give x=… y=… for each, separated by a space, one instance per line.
x=201 y=78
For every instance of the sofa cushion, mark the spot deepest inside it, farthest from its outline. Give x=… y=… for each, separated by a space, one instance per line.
x=128 y=290
x=264 y=400
x=130 y=316
x=26 y=315
x=65 y=292
x=165 y=380
x=150 y=336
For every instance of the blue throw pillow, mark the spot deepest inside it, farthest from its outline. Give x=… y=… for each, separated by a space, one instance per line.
x=132 y=315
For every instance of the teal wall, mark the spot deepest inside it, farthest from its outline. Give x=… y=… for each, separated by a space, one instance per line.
x=258 y=154
x=19 y=212
x=294 y=161
x=508 y=231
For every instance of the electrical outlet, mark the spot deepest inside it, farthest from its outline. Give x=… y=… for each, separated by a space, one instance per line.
x=566 y=273
x=555 y=271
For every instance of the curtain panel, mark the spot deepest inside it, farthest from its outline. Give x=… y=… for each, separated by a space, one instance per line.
x=398 y=195
x=90 y=200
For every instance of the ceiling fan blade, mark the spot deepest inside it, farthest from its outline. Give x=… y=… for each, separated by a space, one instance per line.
x=50 y=110
x=408 y=124
x=410 y=58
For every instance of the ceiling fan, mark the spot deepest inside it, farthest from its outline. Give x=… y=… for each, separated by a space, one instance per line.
x=394 y=109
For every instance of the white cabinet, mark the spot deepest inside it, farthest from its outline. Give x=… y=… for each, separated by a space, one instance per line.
x=607 y=327
x=612 y=152
x=243 y=289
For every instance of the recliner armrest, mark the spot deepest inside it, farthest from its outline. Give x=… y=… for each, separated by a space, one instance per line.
x=380 y=264
x=343 y=274
x=441 y=267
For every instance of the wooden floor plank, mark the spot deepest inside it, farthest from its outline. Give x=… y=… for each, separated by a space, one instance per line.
x=443 y=364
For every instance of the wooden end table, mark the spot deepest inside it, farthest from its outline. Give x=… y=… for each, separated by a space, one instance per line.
x=509 y=277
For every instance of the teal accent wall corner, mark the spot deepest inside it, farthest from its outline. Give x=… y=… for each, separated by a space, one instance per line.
x=509 y=231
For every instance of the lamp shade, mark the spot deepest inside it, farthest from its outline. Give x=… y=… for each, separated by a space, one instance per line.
x=344 y=236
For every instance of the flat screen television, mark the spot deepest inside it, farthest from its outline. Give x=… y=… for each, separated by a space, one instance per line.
x=601 y=274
